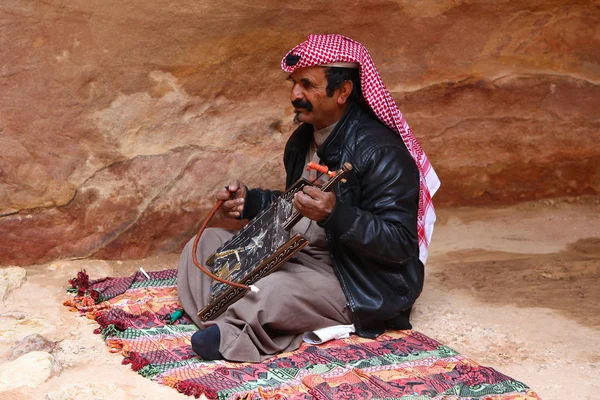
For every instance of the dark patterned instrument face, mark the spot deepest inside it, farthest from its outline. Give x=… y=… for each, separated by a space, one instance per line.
x=251 y=246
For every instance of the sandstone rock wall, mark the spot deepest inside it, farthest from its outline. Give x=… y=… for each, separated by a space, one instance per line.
x=119 y=119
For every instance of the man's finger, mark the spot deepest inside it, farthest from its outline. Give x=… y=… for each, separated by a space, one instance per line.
x=233 y=186
x=304 y=199
x=313 y=192
x=223 y=194
x=237 y=204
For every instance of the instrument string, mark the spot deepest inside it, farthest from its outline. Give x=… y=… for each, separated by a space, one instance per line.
x=319 y=175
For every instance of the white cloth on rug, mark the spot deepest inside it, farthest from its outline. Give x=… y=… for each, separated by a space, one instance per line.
x=323 y=335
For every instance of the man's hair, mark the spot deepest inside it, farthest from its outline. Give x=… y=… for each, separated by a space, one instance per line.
x=336 y=77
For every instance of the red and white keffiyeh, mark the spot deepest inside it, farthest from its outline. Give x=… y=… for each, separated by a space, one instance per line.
x=327 y=49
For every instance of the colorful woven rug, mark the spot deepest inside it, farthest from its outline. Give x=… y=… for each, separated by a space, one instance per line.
x=134 y=314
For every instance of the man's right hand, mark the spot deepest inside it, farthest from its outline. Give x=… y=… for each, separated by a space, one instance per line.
x=234 y=196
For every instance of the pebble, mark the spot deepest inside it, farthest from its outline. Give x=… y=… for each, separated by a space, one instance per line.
x=31 y=369
x=31 y=343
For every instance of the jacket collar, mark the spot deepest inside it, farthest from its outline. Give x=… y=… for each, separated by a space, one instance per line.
x=330 y=150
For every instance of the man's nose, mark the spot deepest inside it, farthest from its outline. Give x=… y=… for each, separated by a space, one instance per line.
x=296 y=93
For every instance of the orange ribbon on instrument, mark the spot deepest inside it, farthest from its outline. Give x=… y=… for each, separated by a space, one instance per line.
x=320 y=168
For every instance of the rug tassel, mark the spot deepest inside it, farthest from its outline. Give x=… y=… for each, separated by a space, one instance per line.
x=104 y=322
x=136 y=360
x=195 y=389
x=114 y=345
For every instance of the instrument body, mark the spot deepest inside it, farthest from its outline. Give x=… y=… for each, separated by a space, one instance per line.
x=258 y=249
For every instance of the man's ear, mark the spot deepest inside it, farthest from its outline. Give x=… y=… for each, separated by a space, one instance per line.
x=345 y=92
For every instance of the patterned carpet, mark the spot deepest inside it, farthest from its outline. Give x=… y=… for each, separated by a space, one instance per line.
x=134 y=315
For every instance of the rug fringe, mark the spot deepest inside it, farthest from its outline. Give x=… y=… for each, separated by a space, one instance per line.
x=104 y=322
x=195 y=389
x=115 y=345
x=80 y=285
x=136 y=360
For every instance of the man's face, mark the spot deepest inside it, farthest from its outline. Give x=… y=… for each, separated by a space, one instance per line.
x=310 y=100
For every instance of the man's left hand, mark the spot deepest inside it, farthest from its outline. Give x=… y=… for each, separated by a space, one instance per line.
x=314 y=204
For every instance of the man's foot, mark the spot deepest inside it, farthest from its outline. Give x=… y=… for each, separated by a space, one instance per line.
x=206 y=343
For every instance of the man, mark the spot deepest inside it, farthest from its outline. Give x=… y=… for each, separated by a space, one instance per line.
x=368 y=237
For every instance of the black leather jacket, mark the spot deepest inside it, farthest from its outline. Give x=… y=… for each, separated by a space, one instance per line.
x=372 y=231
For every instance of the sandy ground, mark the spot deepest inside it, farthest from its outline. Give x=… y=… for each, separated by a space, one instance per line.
x=517 y=289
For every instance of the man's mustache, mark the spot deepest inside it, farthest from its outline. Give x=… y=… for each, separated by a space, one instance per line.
x=304 y=104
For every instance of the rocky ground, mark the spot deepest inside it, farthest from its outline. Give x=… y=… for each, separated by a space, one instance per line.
x=514 y=288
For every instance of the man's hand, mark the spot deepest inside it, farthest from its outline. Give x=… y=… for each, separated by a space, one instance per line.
x=234 y=196
x=314 y=204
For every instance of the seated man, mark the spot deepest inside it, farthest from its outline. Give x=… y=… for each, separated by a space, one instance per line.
x=368 y=237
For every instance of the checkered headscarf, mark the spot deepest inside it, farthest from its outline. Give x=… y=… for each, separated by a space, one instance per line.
x=327 y=49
